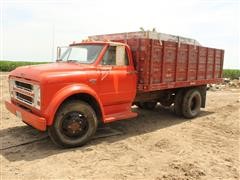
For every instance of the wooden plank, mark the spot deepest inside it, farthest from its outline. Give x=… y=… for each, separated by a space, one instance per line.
x=171 y=85
x=206 y=65
x=150 y=61
x=214 y=64
x=188 y=57
x=221 y=69
x=163 y=58
x=198 y=56
x=176 y=61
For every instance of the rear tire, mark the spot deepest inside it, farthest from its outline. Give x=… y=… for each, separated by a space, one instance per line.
x=74 y=125
x=191 y=103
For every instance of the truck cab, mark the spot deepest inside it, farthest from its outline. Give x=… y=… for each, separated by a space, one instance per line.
x=92 y=82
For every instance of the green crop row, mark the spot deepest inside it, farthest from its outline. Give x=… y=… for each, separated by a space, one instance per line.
x=11 y=65
x=231 y=73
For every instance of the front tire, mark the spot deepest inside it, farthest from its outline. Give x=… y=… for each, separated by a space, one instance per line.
x=74 y=125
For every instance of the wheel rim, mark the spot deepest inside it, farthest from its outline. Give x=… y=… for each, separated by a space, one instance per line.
x=194 y=104
x=74 y=124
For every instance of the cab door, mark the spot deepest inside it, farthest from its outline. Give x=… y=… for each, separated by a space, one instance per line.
x=117 y=84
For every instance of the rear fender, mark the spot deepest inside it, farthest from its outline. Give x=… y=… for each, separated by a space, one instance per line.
x=63 y=94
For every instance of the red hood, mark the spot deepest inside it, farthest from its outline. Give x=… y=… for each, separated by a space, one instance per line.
x=39 y=72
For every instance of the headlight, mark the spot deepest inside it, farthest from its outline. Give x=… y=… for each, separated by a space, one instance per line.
x=37 y=96
x=11 y=86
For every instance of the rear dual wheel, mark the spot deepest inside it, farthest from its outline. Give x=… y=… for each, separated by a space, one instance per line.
x=187 y=103
x=178 y=101
x=191 y=103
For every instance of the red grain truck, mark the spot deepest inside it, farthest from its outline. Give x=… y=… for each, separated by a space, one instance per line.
x=98 y=80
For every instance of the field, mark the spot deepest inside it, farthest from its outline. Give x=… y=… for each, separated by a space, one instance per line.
x=231 y=73
x=11 y=65
x=155 y=145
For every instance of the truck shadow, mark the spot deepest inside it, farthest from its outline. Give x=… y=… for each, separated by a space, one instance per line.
x=15 y=146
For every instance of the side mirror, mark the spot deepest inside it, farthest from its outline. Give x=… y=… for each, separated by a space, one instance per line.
x=58 y=53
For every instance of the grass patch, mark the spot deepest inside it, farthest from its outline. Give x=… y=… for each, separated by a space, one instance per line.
x=231 y=73
x=11 y=65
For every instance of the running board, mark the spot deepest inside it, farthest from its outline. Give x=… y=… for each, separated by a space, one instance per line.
x=119 y=116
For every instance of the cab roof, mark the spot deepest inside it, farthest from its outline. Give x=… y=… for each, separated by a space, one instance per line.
x=97 y=42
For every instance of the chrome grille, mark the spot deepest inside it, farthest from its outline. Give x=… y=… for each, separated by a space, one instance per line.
x=22 y=91
x=24 y=98
x=23 y=85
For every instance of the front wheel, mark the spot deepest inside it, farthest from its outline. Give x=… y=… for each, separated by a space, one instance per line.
x=74 y=125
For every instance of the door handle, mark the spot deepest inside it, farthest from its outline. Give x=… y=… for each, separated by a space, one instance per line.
x=106 y=68
x=131 y=72
x=93 y=81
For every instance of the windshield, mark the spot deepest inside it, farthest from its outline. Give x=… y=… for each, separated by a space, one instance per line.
x=85 y=54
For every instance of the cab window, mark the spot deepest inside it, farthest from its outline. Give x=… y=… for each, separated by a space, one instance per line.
x=115 y=56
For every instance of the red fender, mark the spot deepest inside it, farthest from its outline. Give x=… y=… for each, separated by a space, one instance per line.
x=66 y=92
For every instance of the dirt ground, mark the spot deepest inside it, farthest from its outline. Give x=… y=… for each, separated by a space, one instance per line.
x=155 y=145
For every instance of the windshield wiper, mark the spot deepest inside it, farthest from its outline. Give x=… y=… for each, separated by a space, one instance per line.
x=72 y=61
x=59 y=60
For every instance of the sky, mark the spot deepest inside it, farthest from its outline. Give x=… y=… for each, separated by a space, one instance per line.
x=32 y=30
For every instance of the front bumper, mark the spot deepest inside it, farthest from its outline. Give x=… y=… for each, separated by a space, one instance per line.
x=27 y=117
